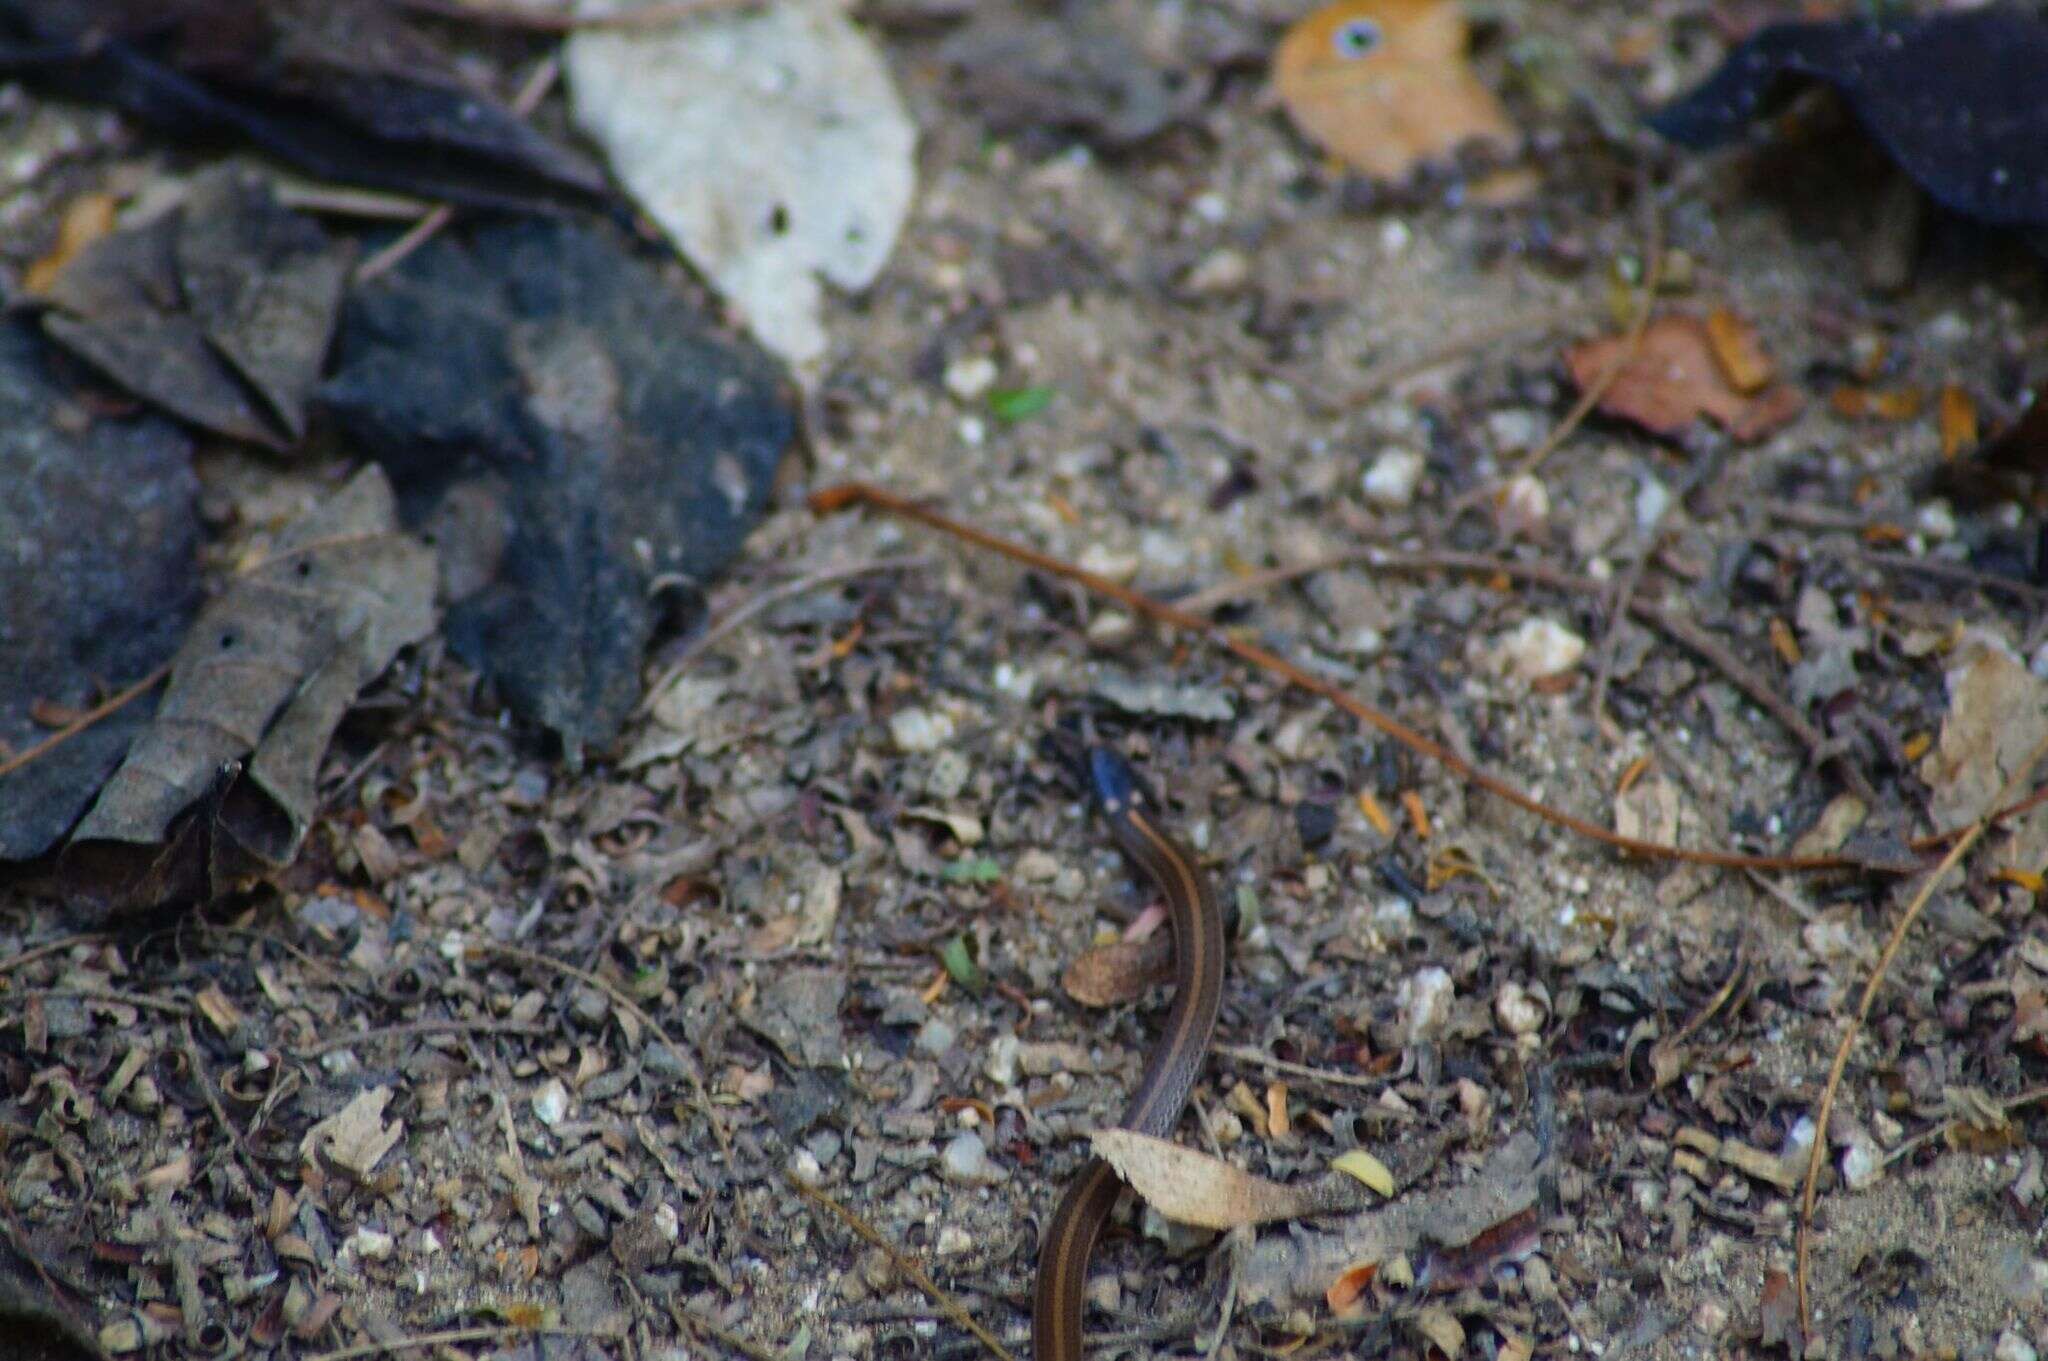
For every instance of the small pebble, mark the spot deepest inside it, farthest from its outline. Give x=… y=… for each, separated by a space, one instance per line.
x=369 y=1245
x=1425 y=1001
x=936 y=1037
x=920 y=730
x=803 y=1165
x=966 y=1162
x=969 y=376
x=1937 y=520
x=1652 y=496
x=1519 y=1010
x=551 y=1102
x=973 y=431
x=1221 y=271
x=1391 y=480
x=954 y=1241
x=1523 y=507
x=1862 y=1165
x=1537 y=648
x=1001 y=1063
x=2012 y=1347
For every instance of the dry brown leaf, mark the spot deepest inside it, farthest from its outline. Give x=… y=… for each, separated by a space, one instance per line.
x=1957 y=418
x=355 y=1137
x=1108 y=975
x=1383 y=85
x=1673 y=378
x=1739 y=351
x=1442 y=1329
x=1195 y=1188
x=1778 y=1314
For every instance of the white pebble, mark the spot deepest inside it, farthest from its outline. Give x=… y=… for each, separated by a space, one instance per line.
x=973 y=431
x=1001 y=1063
x=1537 y=648
x=1937 y=520
x=1520 y=1010
x=970 y=376
x=1523 y=507
x=369 y=1245
x=1220 y=271
x=551 y=1102
x=965 y=1161
x=1395 y=236
x=1425 y=1001
x=803 y=1165
x=1652 y=496
x=1861 y=1165
x=953 y=1241
x=1392 y=478
x=920 y=729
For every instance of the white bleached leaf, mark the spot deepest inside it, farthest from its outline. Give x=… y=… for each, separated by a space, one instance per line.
x=770 y=144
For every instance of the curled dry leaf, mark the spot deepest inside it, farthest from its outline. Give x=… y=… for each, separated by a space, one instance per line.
x=1194 y=1188
x=355 y=1137
x=1383 y=85
x=1673 y=378
x=256 y=690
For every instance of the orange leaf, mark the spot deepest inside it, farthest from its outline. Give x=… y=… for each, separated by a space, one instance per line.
x=1375 y=814
x=1958 y=421
x=1783 y=642
x=1672 y=378
x=1383 y=85
x=1344 y=1292
x=1737 y=349
x=88 y=218
x=1418 y=816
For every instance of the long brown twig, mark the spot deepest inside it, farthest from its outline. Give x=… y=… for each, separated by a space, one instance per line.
x=833 y=499
x=2020 y=775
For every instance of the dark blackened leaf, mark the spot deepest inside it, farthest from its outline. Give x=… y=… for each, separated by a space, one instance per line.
x=265 y=674
x=218 y=311
x=603 y=441
x=345 y=91
x=81 y=611
x=1954 y=98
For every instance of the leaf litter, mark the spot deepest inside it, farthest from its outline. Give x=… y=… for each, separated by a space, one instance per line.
x=661 y=889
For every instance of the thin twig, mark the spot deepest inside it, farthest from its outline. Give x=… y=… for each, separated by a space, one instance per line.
x=761 y=600
x=1388 y=376
x=910 y=1269
x=1674 y=626
x=49 y=947
x=126 y=999
x=450 y=1026
x=236 y=1147
x=446 y=1339
x=530 y=94
x=661 y=14
x=1653 y=276
x=1258 y=1058
x=2031 y=1097
x=626 y=1004
x=84 y=721
x=2013 y=783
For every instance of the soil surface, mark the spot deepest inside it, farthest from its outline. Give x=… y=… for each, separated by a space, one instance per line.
x=424 y=1085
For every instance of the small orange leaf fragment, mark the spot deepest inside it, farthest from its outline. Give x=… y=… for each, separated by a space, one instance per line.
x=86 y=219
x=2030 y=880
x=1915 y=747
x=1879 y=535
x=1738 y=351
x=1345 y=1292
x=1632 y=774
x=1375 y=814
x=1418 y=816
x=1063 y=508
x=1277 y=1119
x=1957 y=420
x=1782 y=641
